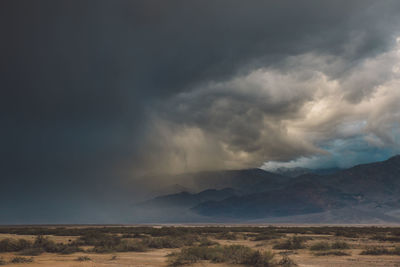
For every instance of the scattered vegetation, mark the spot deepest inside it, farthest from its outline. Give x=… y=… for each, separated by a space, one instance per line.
x=108 y=243
x=381 y=251
x=326 y=246
x=267 y=236
x=31 y=252
x=83 y=258
x=385 y=237
x=332 y=253
x=340 y=245
x=21 y=260
x=2 y=261
x=287 y=262
x=226 y=236
x=320 y=246
x=234 y=254
x=40 y=245
x=195 y=243
x=141 y=232
x=12 y=245
x=292 y=243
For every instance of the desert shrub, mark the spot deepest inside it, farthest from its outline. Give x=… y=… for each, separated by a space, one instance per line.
x=102 y=250
x=396 y=232
x=375 y=251
x=31 y=252
x=349 y=234
x=13 y=245
x=286 y=262
x=294 y=242
x=205 y=242
x=267 y=236
x=340 y=245
x=320 y=246
x=83 y=258
x=332 y=253
x=40 y=245
x=381 y=251
x=47 y=245
x=95 y=238
x=68 y=249
x=113 y=257
x=130 y=245
x=234 y=254
x=7 y=245
x=384 y=237
x=259 y=259
x=226 y=236
x=21 y=260
x=108 y=244
x=114 y=244
x=133 y=236
x=327 y=246
x=171 y=241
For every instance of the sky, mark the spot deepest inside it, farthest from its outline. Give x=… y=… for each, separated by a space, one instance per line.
x=96 y=95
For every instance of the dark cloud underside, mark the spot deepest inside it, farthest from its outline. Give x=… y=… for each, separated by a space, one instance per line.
x=96 y=93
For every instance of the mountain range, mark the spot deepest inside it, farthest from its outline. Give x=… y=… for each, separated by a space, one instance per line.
x=368 y=193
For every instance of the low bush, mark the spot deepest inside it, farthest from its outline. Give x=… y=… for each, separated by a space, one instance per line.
x=267 y=236
x=375 y=251
x=340 y=245
x=332 y=253
x=381 y=251
x=47 y=245
x=171 y=241
x=40 y=245
x=111 y=243
x=292 y=243
x=13 y=245
x=21 y=260
x=320 y=246
x=226 y=236
x=384 y=237
x=234 y=254
x=205 y=242
x=286 y=262
x=83 y=258
x=327 y=246
x=2 y=261
x=31 y=252
x=131 y=245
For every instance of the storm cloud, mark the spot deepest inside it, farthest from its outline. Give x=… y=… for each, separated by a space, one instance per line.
x=98 y=93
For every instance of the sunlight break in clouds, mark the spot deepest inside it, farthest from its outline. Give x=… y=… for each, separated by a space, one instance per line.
x=287 y=114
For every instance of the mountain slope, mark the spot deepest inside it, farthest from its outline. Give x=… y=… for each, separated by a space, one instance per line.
x=245 y=181
x=185 y=199
x=377 y=183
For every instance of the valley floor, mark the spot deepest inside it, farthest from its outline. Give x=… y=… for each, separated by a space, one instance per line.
x=311 y=252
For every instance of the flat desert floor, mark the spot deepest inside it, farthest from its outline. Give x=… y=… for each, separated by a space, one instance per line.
x=316 y=249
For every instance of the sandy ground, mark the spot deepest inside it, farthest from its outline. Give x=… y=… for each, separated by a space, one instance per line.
x=57 y=239
x=157 y=257
x=153 y=258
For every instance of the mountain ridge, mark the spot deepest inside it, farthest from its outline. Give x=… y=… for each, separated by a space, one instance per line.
x=256 y=194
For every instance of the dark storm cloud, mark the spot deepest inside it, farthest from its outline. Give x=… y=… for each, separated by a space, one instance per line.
x=90 y=89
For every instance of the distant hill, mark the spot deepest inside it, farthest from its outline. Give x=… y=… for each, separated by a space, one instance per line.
x=297 y=171
x=244 y=181
x=186 y=199
x=371 y=191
